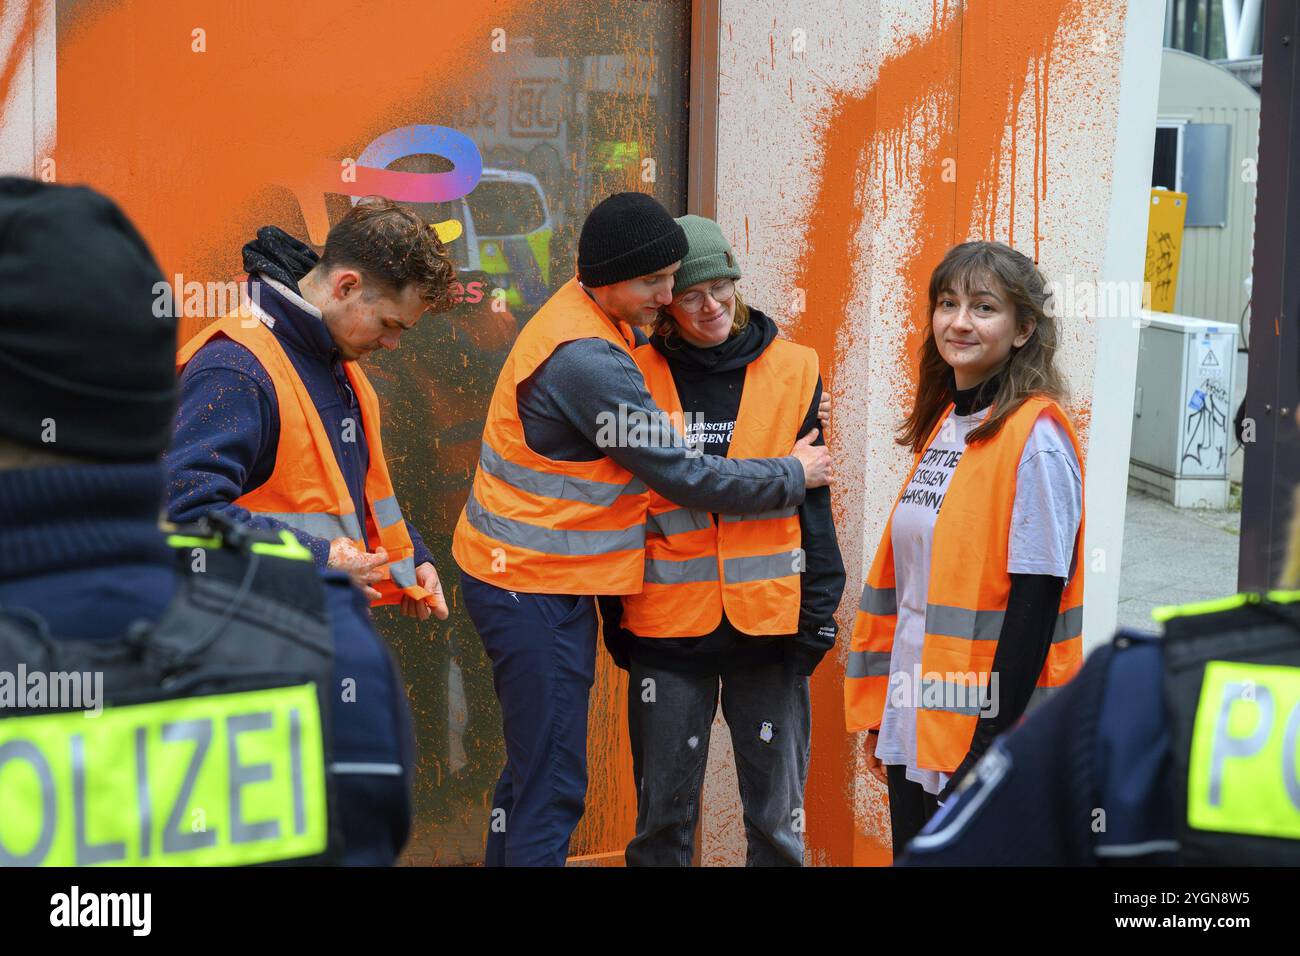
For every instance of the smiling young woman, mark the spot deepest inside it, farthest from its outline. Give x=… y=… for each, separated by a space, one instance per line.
x=734 y=609
x=972 y=608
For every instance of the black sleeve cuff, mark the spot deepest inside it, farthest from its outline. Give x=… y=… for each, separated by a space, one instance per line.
x=804 y=659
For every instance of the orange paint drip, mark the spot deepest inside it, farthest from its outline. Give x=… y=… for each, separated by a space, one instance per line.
x=1047 y=76
x=871 y=852
x=1038 y=140
x=18 y=53
x=609 y=820
x=1015 y=122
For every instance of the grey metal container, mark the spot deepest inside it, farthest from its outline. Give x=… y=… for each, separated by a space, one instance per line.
x=1182 y=410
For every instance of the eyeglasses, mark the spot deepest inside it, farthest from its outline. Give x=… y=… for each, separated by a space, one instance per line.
x=721 y=291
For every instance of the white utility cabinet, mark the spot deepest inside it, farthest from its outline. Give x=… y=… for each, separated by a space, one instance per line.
x=1182 y=410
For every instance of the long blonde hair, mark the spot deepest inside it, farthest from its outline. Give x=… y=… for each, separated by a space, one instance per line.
x=1029 y=370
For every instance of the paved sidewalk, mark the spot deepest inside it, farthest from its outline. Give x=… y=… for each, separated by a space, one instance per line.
x=1174 y=555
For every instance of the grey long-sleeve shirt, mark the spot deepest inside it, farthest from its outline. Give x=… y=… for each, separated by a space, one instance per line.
x=567 y=400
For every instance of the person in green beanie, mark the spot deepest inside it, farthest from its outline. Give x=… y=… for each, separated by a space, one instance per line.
x=737 y=608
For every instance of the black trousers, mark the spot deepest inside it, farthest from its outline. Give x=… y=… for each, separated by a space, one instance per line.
x=909 y=807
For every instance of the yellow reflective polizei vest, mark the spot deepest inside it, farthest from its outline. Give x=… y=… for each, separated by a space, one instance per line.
x=225 y=779
x=1243 y=769
x=748 y=565
x=1232 y=693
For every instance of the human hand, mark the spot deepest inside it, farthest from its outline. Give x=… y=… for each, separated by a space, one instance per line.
x=874 y=765
x=426 y=576
x=816 y=460
x=365 y=568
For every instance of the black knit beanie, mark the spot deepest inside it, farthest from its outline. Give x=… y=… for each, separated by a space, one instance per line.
x=88 y=368
x=625 y=236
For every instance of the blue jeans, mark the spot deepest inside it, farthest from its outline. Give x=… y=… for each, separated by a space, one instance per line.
x=543 y=653
x=670 y=715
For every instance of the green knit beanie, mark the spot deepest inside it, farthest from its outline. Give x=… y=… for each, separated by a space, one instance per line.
x=709 y=256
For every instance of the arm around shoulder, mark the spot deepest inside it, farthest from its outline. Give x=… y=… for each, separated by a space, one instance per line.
x=599 y=386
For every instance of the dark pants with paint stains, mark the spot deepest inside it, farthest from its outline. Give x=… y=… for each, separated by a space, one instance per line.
x=543 y=653
x=670 y=715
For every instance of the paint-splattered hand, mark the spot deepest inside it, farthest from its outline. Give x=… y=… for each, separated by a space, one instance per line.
x=426 y=576
x=363 y=567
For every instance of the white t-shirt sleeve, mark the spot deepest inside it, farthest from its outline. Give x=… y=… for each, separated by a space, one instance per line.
x=1048 y=505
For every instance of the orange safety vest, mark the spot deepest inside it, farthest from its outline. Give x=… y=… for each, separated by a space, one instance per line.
x=967 y=599
x=748 y=564
x=542 y=526
x=306 y=489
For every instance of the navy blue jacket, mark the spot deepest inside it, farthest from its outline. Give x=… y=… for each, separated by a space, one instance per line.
x=228 y=422
x=80 y=545
x=1085 y=780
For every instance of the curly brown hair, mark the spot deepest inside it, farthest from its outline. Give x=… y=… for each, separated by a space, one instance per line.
x=1029 y=370
x=392 y=247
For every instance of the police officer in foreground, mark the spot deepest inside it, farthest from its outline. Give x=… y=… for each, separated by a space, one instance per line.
x=1180 y=749
x=244 y=709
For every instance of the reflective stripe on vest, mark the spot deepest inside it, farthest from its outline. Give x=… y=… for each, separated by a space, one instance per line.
x=289 y=548
x=552 y=485
x=129 y=786
x=763 y=516
x=319 y=524
x=552 y=541
x=1168 y=612
x=966 y=603
x=540 y=526
x=748 y=565
x=677 y=521
x=306 y=489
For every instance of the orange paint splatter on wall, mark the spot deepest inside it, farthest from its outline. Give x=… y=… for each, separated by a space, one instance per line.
x=19 y=53
x=240 y=118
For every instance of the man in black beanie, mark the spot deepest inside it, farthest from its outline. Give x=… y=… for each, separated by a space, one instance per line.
x=558 y=510
x=85 y=416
